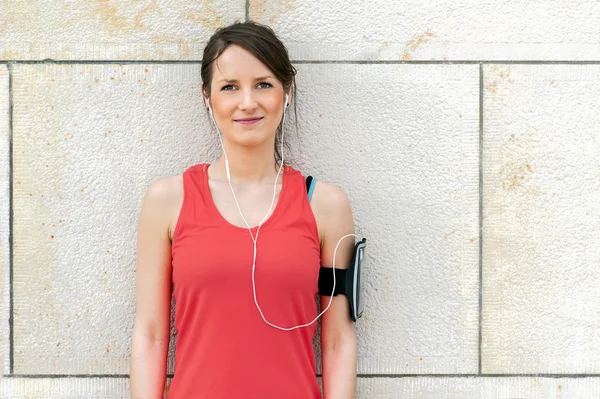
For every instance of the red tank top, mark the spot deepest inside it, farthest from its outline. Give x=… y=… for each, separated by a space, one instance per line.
x=224 y=348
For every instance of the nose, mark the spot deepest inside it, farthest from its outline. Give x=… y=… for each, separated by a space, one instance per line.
x=247 y=102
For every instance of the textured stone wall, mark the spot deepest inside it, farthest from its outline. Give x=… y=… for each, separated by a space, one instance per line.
x=466 y=134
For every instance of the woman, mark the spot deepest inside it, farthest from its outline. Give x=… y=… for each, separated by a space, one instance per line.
x=239 y=245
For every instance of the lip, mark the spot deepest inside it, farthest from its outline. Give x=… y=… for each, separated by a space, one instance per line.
x=248 y=121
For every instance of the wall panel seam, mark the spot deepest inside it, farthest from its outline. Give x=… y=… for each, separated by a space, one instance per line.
x=482 y=376
x=480 y=332
x=10 y=224
x=346 y=62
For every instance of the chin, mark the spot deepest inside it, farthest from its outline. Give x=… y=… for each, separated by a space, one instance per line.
x=250 y=137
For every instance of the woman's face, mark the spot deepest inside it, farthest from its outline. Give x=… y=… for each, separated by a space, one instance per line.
x=246 y=98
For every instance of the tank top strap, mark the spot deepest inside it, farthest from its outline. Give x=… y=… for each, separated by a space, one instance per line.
x=298 y=201
x=193 y=207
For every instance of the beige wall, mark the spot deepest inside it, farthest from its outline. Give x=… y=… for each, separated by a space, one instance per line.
x=466 y=134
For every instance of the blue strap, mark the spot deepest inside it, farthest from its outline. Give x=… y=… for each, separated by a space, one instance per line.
x=310 y=184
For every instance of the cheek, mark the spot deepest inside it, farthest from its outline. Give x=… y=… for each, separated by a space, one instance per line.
x=222 y=108
x=275 y=108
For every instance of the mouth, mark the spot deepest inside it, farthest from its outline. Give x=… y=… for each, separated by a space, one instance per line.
x=248 y=121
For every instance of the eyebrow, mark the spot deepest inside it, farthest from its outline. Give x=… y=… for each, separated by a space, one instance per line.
x=257 y=79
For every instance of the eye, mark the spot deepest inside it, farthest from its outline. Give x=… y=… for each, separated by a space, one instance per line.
x=264 y=85
x=227 y=88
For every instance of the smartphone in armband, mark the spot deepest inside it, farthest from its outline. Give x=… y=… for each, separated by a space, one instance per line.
x=347 y=281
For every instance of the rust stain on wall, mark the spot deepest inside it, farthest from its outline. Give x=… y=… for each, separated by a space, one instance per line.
x=269 y=11
x=208 y=17
x=114 y=20
x=9 y=54
x=108 y=15
x=137 y=20
x=415 y=43
x=381 y=48
x=183 y=47
x=500 y=74
x=20 y=16
x=514 y=174
x=504 y=73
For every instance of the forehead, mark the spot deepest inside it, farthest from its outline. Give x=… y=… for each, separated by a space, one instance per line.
x=238 y=63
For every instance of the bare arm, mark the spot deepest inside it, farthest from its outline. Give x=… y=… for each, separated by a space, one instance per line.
x=150 y=338
x=338 y=339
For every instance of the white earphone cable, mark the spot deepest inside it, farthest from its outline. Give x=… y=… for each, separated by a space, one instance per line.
x=255 y=238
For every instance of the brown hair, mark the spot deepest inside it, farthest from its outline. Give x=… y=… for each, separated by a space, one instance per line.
x=260 y=41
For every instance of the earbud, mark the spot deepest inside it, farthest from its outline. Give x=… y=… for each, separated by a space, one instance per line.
x=208 y=105
x=286 y=102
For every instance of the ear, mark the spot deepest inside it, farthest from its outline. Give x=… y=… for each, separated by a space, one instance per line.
x=205 y=96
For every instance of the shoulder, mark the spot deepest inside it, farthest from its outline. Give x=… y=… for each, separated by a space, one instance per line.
x=164 y=190
x=330 y=197
x=163 y=198
x=332 y=210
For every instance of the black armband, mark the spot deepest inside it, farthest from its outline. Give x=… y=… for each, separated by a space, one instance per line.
x=347 y=281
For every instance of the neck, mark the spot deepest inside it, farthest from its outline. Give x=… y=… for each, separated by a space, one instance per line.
x=249 y=165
